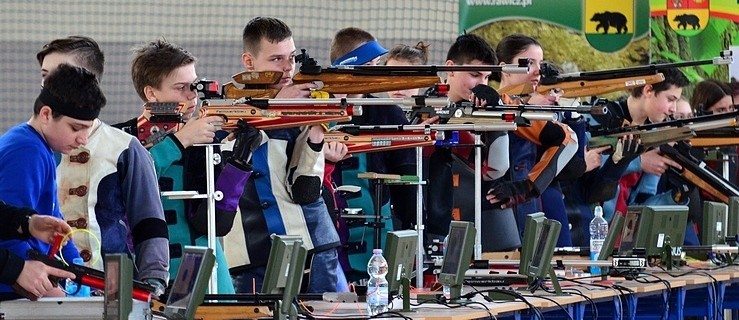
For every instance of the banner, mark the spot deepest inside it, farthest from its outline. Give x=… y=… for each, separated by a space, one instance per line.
x=608 y=26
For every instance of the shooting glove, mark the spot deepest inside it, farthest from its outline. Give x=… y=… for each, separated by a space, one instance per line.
x=627 y=150
x=248 y=138
x=511 y=193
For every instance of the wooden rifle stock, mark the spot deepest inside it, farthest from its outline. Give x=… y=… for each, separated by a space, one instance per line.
x=720 y=137
x=367 y=142
x=586 y=88
x=374 y=138
x=276 y=116
x=259 y=85
x=697 y=172
x=346 y=83
x=662 y=132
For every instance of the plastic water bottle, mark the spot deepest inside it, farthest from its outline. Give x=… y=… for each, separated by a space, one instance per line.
x=71 y=287
x=377 y=287
x=598 y=234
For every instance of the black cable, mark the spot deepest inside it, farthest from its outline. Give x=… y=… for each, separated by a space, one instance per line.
x=552 y=300
x=505 y=292
x=667 y=286
x=578 y=293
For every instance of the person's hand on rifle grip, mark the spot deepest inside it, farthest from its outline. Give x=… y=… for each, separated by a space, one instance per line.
x=196 y=131
x=302 y=90
x=248 y=138
x=627 y=148
x=505 y=194
x=34 y=279
x=653 y=162
x=536 y=98
x=482 y=94
x=594 y=157
x=335 y=151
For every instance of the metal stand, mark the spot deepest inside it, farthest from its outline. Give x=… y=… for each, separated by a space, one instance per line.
x=420 y=226
x=211 y=197
x=478 y=197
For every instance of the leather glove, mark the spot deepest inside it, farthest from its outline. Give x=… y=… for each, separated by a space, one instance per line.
x=627 y=149
x=510 y=193
x=248 y=138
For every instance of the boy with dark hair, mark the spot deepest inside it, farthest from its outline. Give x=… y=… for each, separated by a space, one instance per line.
x=77 y=50
x=109 y=183
x=467 y=49
x=646 y=104
x=283 y=196
x=164 y=72
x=63 y=115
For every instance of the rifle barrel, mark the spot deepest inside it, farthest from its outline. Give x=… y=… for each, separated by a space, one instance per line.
x=419 y=101
x=632 y=71
x=502 y=126
x=595 y=110
x=528 y=115
x=440 y=68
x=695 y=121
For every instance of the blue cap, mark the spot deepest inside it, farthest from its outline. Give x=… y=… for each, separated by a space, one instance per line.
x=359 y=56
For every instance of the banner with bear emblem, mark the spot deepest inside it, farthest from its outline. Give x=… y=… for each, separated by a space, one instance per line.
x=609 y=25
x=688 y=17
x=606 y=26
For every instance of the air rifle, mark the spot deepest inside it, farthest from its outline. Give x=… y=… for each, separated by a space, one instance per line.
x=371 y=79
x=721 y=137
x=375 y=138
x=90 y=277
x=495 y=110
x=286 y=113
x=165 y=117
x=698 y=173
x=593 y=83
x=655 y=134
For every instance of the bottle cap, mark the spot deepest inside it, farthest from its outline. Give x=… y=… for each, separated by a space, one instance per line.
x=377 y=251
x=598 y=211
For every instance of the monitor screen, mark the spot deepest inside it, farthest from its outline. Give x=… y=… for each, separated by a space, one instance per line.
x=732 y=229
x=400 y=252
x=714 y=223
x=544 y=249
x=112 y=297
x=183 y=286
x=649 y=227
x=191 y=282
x=459 y=246
x=541 y=244
x=279 y=263
x=454 y=245
x=118 y=286
x=532 y=228
x=614 y=231
x=631 y=227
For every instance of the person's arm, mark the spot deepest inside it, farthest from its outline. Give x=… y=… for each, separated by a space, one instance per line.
x=306 y=168
x=26 y=171
x=144 y=212
x=15 y=221
x=560 y=145
x=166 y=152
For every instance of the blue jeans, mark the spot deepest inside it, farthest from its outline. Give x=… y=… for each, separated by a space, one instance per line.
x=323 y=275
